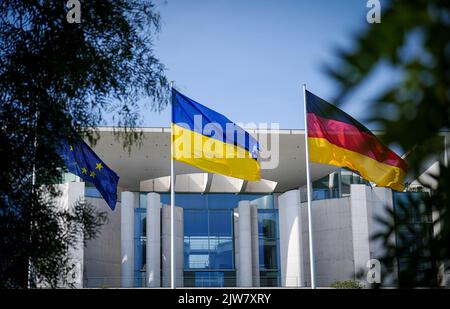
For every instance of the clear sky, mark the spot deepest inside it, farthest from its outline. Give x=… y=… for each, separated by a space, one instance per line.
x=247 y=59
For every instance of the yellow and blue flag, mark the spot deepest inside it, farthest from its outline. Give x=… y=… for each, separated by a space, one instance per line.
x=82 y=161
x=210 y=141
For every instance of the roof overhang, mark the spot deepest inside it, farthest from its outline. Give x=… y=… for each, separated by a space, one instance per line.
x=147 y=166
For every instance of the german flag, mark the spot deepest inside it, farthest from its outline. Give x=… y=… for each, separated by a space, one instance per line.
x=337 y=139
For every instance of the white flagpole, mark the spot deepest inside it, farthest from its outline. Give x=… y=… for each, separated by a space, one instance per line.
x=445 y=151
x=172 y=203
x=308 y=189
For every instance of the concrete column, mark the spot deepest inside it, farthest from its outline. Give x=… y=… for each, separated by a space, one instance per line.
x=75 y=193
x=292 y=273
x=255 y=246
x=153 y=247
x=245 y=245
x=382 y=200
x=360 y=204
x=179 y=246
x=129 y=200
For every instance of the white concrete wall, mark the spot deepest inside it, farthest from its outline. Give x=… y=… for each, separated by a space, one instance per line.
x=367 y=205
x=425 y=179
x=332 y=241
x=342 y=230
x=291 y=252
x=246 y=245
x=380 y=200
x=179 y=246
x=130 y=201
x=192 y=183
x=342 y=233
x=102 y=254
x=360 y=215
x=223 y=184
x=153 y=246
x=71 y=193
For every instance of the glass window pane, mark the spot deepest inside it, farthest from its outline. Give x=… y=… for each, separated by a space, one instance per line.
x=262 y=202
x=209 y=236
x=268 y=254
x=195 y=223
x=196 y=252
x=209 y=279
x=143 y=200
x=185 y=200
x=267 y=225
x=222 y=201
x=198 y=261
x=91 y=192
x=269 y=278
x=221 y=254
x=220 y=223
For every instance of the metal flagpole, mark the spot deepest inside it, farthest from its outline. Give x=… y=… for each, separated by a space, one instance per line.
x=172 y=203
x=445 y=150
x=308 y=189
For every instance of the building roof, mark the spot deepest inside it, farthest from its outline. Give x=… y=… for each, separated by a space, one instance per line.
x=151 y=160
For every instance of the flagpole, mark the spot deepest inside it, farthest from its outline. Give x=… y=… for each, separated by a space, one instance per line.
x=308 y=189
x=172 y=203
x=445 y=151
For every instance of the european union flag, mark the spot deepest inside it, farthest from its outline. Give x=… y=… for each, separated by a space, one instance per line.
x=81 y=160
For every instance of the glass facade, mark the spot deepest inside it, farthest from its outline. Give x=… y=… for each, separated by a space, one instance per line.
x=414 y=230
x=326 y=187
x=335 y=185
x=209 y=232
x=209 y=246
x=140 y=240
x=269 y=240
x=209 y=238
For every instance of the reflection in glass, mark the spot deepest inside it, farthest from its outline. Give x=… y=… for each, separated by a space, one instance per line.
x=268 y=254
x=209 y=238
x=413 y=233
x=268 y=247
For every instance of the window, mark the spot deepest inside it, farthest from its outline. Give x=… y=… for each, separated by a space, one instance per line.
x=208 y=239
x=413 y=233
x=268 y=247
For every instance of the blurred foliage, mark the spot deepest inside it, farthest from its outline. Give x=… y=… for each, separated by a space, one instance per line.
x=56 y=77
x=346 y=284
x=410 y=250
x=413 y=39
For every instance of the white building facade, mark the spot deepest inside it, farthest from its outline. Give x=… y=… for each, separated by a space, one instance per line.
x=229 y=232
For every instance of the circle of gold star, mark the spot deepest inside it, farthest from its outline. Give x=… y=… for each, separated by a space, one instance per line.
x=98 y=166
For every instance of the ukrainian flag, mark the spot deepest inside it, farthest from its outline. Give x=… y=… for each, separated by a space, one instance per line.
x=210 y=141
